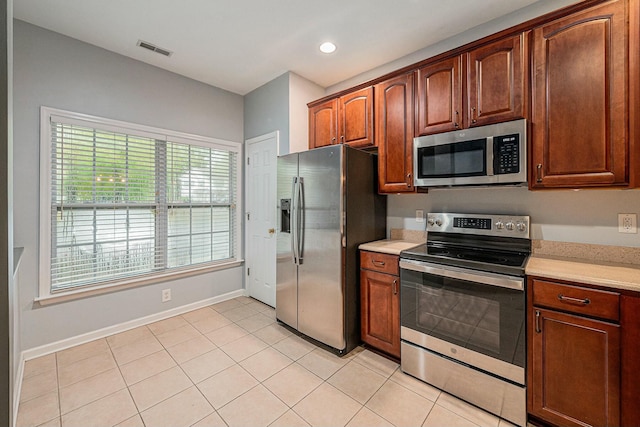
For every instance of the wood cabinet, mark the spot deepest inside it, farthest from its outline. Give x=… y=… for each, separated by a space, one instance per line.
x=630 y=328
x=496 y=82
x=574 y=354
x=344 y=120
x=380 y=301
x=494 y=89
x=394 y=134
x=439 y=92
x=580 y=114
x=323 y=124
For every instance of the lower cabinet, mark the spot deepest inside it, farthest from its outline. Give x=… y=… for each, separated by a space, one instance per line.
x=574 y=351
x=380 y=302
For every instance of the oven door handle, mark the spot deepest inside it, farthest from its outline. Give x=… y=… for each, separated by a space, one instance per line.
x=503 y=281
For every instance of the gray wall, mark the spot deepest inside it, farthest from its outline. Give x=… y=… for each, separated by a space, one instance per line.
x=266 y=110
x=7 y=351
x=281 y=105
x=585 y=216
x=60 y=72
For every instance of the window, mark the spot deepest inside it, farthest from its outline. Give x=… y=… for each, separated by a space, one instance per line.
x=122 y=202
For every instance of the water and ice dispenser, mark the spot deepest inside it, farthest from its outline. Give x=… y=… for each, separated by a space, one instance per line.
x=285 y=215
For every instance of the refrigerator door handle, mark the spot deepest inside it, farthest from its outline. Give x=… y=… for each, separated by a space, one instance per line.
x=294 y=219
x=301 y=220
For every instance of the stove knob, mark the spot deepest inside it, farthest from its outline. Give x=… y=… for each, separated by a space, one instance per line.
x=438 y=222
x=510 y=226
x=499 y=225
x=430 y=221
x=521 y=226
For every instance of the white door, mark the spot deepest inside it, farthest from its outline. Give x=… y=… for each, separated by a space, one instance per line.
x=260 y=216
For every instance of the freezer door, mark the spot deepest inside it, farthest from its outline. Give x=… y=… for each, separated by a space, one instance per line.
x=286 y=269
x=320 y=283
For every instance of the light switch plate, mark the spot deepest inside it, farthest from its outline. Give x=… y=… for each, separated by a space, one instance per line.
x=627 y=223
x=419 y=215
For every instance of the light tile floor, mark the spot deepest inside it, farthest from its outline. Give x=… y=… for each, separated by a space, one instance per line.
x=229 y=364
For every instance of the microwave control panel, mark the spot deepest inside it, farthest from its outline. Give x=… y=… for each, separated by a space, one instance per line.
x=506 y=158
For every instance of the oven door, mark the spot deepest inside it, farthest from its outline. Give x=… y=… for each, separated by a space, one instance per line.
x=474 y=317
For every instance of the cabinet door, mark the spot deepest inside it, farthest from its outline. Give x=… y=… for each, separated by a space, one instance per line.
x=394 y=134
x=630 y=329
x=380 y=311
x=580 y=114
x=355 y=118
x=495 y=82
x=575 y=370
x=323 y=127
x=439 y=97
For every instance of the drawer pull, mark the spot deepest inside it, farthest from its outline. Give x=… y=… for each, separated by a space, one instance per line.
x=378 y=263
x=585 y=301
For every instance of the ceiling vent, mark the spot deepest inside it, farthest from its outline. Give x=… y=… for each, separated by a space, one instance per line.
x=154 y=48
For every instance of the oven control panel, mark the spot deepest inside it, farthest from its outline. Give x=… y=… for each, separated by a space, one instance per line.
x=488 y=225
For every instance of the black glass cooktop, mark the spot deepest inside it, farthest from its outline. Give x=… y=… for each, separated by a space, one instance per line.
x=478 y=256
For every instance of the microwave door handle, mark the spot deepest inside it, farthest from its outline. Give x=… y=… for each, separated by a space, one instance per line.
x=489 y=155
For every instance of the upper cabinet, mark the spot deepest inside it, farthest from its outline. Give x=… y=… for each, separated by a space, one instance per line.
x=344 y=120
x=574 y=74
x=394 y=134
x=580 y=110
x=494 y=89
x=323 y=124
x=439 y=92
x=496 y=82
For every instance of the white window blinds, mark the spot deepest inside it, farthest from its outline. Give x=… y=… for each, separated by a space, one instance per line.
x=127 y=203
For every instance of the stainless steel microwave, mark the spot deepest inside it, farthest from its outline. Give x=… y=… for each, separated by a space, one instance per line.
x=485 y=155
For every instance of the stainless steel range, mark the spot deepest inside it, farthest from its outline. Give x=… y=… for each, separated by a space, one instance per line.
x=463 y=310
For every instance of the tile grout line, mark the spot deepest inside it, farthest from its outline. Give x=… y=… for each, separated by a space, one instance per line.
x=269 y=345
x=126 y=386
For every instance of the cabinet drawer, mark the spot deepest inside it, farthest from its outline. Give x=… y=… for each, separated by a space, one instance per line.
x=576 y=299
x=376 y=261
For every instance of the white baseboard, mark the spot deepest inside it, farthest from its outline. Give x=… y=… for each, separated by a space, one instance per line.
x=105 y=332
x=43 y=350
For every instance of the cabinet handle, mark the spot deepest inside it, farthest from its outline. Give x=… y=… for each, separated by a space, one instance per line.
x=585 y=301
x=333 y=140
x=539 y=172
x=473 y=115
x=408 y=180
x=342 y=139
x=538 y=330
x=378 y=263
x=456 y=120
x=395 y=286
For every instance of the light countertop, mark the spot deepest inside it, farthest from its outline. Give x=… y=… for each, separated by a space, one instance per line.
x=613 y=275
x=388 y=246
x=548 y=262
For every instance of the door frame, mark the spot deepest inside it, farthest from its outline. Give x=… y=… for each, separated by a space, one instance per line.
x=247 y=142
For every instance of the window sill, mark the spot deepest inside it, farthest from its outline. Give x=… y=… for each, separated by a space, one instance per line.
x=75 y=294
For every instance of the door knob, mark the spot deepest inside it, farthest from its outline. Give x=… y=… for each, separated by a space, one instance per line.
x=272 y=230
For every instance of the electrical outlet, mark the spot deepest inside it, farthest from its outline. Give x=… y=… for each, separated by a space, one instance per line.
x=627 y=223
x=166 y=295
x=419 y=215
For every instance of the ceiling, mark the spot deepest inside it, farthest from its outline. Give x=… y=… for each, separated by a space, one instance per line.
x=239 y=45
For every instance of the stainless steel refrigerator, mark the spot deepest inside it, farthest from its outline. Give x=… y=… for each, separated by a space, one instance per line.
x=328 y=205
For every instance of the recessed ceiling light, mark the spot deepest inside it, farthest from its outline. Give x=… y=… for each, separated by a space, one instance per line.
x=327 y=47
